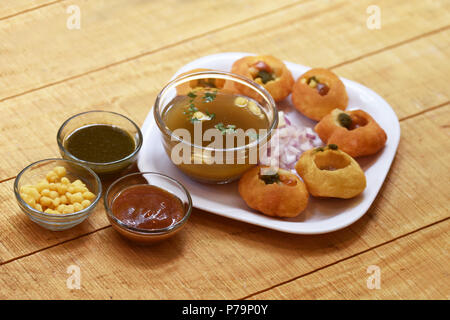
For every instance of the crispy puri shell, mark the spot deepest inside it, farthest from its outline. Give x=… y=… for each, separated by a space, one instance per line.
x=364 y=140
x=279 y=88
x=187 y=87
x=276 y=199
x=309 y=102
x=346 y=181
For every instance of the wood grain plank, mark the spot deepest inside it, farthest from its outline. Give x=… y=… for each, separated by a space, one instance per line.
x=216 y=257
x=131 y=88
x=51 y=53
x=128 y=88
x=38 y=48
x=414 y=267
x=12 y=8
x=407 y=64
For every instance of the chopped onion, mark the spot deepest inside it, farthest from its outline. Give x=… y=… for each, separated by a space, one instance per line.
x=288 y=143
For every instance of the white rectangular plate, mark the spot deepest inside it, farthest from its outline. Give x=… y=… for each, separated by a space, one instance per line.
x=321 y=215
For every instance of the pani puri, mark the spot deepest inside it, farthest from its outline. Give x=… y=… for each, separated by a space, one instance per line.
x=355 y=132
x=330 y=172
x=317 y=92
x=277 y=193
x=267 y=71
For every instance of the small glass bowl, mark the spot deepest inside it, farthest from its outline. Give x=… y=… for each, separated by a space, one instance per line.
x=100 y=117
x=217 y=173
x=37 y=171
x=154 y=179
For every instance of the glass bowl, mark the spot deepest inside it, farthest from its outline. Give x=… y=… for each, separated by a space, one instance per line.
x=37 y=171
x=242 y=157
x=100 y=117
x=147 y=178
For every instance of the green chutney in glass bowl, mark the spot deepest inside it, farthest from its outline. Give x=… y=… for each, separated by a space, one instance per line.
x=106 y=142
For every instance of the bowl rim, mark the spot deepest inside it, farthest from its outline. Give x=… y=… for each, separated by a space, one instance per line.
x=140 y=231
x=58 y=215
x=217 y=74
x=60 y=141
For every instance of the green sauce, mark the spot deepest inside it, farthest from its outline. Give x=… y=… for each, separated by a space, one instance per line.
x=100 y=143
x=345 y=120
x=269 y=179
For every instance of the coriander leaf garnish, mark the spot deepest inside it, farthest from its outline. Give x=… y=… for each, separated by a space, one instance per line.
x=231 y=128
x=210 y=115
x=220 y=126
x=190 y=110
x=192 y=95
x=209 y=96
x=193 y=113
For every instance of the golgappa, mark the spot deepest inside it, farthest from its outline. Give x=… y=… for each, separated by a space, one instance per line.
x=277 y=193
x=267 y=71
x=330 y=172
x=354 y=132
x=317 y=92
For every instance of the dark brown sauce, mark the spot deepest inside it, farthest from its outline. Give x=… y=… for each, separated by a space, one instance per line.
x=322 y=89
x=147 y=207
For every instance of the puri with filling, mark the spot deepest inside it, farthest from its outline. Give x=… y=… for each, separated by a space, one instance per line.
x=317 y=92
x=354 y=132
x=274 y=192
x=267 y=71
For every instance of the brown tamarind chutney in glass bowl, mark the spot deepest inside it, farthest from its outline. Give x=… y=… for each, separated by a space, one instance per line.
x=147 y=207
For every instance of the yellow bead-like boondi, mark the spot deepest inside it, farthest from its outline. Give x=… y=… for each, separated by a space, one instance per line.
x=56 y=194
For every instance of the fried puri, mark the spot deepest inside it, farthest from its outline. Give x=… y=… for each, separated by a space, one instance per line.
x=330 y=172
x=355 y=132
x=275 y=193
x=267 y=71
x=317 y=92
x=187 y=87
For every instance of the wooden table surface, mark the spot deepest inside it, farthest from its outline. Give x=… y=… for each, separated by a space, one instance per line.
x=122 y=55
